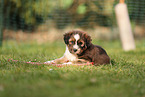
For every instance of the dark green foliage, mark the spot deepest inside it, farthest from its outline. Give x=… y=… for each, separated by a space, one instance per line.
x=136 y=12
x=24 y=14
x=28 y=14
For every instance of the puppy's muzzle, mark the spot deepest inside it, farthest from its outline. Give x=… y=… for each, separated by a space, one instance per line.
x=74 y=50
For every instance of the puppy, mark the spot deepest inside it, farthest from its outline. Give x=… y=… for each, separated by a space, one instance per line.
x=79 y=49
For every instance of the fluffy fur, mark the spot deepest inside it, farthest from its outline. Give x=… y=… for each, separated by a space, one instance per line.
x=79 y=49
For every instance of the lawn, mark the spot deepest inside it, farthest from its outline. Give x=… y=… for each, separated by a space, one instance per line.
x=123 y=78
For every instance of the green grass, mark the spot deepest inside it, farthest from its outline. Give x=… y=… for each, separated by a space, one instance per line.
x=123 y=78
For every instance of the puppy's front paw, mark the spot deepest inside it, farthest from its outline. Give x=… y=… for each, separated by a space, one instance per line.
x=68 y=63
x=49 y=62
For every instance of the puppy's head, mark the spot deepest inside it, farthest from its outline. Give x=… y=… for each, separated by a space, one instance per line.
x=77 y=41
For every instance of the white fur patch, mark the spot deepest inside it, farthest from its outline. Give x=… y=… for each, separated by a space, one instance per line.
x=77 y=37
x=69 y=56
x=49 y=62
x=76 y=46
x=68 y=63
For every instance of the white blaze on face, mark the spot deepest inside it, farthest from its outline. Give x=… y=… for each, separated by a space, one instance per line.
x=77 y=37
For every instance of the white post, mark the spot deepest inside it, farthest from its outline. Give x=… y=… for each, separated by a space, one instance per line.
x=124 y=25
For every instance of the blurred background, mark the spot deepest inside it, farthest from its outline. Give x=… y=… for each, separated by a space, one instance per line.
x=46 y=20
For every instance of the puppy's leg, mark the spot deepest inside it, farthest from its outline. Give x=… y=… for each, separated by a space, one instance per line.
x=80 y=61
x=61 y=60
x=57 y=61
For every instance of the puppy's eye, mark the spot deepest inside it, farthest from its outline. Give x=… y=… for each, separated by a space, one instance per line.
x=72 y=42
x=80 y=43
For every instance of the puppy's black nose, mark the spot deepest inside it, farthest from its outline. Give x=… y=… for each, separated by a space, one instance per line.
x=75 y=50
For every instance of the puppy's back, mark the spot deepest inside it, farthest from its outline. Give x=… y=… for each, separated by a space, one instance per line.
x=102 y=57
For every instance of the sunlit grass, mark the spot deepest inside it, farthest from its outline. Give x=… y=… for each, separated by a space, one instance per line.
x=123 y=78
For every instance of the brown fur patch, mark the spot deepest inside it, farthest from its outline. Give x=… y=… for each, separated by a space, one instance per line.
x=88 y=51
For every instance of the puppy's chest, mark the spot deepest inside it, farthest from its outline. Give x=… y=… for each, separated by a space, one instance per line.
x=70 y=56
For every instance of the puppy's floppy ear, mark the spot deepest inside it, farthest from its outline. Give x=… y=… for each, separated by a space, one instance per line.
x=66 y=37
x=87 y=39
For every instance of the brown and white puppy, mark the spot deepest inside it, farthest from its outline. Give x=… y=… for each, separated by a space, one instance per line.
x=79 y=49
